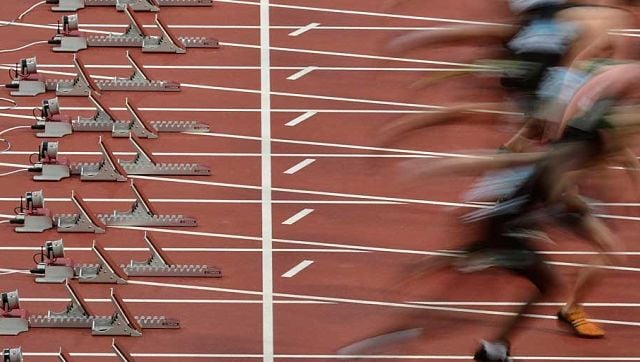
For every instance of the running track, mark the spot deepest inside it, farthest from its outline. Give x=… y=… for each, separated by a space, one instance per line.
x=332 y=200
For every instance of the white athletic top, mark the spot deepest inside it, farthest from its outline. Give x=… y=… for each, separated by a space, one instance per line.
x=518 y=6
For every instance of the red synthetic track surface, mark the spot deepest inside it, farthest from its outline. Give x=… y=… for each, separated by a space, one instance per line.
x=226 y=323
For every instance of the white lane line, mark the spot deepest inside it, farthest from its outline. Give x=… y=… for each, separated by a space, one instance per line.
x=172 y=301
x=302 y=73
x=372 y=302
x=268 y=344
x=307 y=357
x=246 y=67
x=297 y=217
x=297 y=269
x=193 y=250
x=364 y=13
x=361 y=56
x=299 y=166
x=304 y=29
x=296 y=121
x=514 y=304
x=347 y=246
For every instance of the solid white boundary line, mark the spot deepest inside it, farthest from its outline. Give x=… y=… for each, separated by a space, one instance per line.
x=306 y=357
x=267 y=217
x=297 y=269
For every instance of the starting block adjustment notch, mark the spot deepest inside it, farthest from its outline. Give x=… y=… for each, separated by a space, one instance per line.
x=145 y=164
x=142 y=213
x=159 y=265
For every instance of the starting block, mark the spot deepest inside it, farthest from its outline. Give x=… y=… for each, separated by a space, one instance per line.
x=49 y=166
x=159 y=265
x=12 y=355
x=63 y=356
x=34 y=218
x=144 y=163
x=71 y=40
x=105 y=272
x=82 y=222
x=142 y=213
x=108 y=169
x=51 y=121
x=148 y=129
x=137 y=5
x=121 y=323
x=53 y=266
x=13 y=319
x=84 y=85
x=25 y=79
x=104 y=120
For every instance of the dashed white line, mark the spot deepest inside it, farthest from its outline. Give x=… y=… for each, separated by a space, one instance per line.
x=297 y=269
x=304 y=29
x=296 y=121
x=297 y=217
x=300 y=166
x=302 y=73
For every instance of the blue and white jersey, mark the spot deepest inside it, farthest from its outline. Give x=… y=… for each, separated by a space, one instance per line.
x=544 y=36
x=519 y=6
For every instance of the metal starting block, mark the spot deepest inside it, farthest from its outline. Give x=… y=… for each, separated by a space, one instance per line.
x=104 y=120
x=84 y=85
x=159 y=265
x=53 y=266
x=71 y=40
x=51 y=121
x=33 y=217
x=144 y=163
x=13 y=319
x=49 y=166
x=142 y=213
x=105 y=272
x=12 y=355
x=25 y=79
x=120 y=323
x=82 y=222
x=148 y=129
x=137 y=5
x=108 y=169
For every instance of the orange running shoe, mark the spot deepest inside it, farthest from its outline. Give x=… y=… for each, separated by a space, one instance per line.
x=577 y=319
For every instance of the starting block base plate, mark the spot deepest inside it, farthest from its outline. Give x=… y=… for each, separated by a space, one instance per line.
x=56 y=274
x=13 y=326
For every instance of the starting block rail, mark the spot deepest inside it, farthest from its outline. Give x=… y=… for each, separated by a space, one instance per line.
x=137 y=5
x=159 y=265
x=121 y=323
x=144 y=163
x=70 y=40
x=142 y=213
x=142 y=127
x=82 y=222
x=84 y=85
